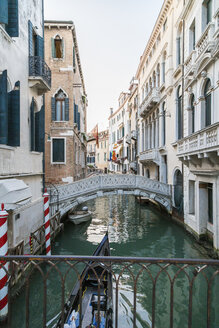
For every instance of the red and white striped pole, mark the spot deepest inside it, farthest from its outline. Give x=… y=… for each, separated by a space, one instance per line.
x=3 y=274
x=47 y=222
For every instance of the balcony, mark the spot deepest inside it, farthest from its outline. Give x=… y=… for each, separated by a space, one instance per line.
x=39 y=74
x=201 y=144
x=150 y=155
x=152 y=99
x=206 y=41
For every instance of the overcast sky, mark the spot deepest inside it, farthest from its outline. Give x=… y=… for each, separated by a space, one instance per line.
x=112 y=35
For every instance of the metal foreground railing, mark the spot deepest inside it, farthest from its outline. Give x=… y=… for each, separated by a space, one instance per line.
x=158 y=292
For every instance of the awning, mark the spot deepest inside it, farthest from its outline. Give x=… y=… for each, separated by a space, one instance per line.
x=14 y=193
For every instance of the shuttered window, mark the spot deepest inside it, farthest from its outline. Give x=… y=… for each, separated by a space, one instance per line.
x=58 y=150
x=9 y=16
x=9 y=113
x=57 y=47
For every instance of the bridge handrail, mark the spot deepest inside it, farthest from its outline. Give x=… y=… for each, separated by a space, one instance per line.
x=111 y=182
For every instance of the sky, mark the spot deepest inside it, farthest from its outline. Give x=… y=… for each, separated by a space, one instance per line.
x=111 y=35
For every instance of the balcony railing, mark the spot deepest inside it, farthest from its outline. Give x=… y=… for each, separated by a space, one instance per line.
x=150 y=100
x=149 y=155
x=155 y=291
x=206 y=41
x=190 y=63
x=39 y=70
x=206 y=140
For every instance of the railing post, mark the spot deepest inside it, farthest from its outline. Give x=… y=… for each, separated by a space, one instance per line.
x=47 y=222
x=4 y=265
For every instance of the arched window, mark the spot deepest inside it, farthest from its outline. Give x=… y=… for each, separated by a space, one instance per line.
x=60 y=105
x=192 y=113
x=207 y=96
x=179 y=114
x=178 y=46
x=57 y=47
x=164 y=67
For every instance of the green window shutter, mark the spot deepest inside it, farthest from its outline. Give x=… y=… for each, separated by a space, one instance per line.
x=30 y=37
x=3 y=109
x=53 y=109
x=39 y=130
x=40 y=46
x=63 y=48
x=53 y=48
x=79 y=121
x=74 y=66
x=66 y=109
x=75 y=113
x=13 y=18
x=14 y=116
x=32 y=126
x=4 y=11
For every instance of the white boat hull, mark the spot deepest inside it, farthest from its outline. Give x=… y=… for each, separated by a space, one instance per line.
x=79 y=218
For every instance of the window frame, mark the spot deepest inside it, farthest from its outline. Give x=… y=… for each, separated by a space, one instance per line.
x=59 y=163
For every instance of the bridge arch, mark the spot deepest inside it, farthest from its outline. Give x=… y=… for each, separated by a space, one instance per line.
x=73 y=194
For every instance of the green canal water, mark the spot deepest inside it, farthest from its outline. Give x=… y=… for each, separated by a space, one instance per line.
x=134 y=230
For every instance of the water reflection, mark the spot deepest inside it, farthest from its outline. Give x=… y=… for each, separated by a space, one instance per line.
x=134 y=230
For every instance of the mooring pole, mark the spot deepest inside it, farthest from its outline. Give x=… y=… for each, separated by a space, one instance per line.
x=47 y=222
x=3 y=265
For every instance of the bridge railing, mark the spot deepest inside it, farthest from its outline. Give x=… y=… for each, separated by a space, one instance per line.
x=151 y=292
x=108 y=182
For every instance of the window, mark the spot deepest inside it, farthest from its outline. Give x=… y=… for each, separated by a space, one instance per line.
x=9 y=112
x=192 y=114
x=58 y=150
x=192 y=37
x=163 y=125
x=36 y=127
x=191 y=197
x=105 y=144
x=9 y=17
x=104 y=157
x=209 y=11
x=210 y=203
x=207 y=96
x=57 y=47
x=60 y=107
x=98 y=157
x=179 y=114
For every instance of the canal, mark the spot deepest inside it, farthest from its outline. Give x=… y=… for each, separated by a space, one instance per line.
x=134 y=230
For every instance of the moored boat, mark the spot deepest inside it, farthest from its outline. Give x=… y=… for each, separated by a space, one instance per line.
x=80 y=216
x=93 y=301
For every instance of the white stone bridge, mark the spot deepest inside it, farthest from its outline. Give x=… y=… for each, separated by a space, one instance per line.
x=70 y=195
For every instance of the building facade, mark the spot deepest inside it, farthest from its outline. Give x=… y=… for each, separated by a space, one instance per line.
x=91 y=153
x=66 y=105
x=198 y=147
x=119 y=125
x=102 y=151
x=24 y=79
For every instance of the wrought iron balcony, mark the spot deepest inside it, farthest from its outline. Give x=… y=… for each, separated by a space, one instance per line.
x=201 y=143
x=150 y=155
x=39 y=74
x=150 y=101
x=171 y=286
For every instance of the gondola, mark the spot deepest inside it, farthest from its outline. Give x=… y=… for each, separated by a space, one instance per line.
x=96 y=303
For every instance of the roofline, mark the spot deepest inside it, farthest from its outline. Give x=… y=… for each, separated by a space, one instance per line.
x=154 y=33
x=59 y=22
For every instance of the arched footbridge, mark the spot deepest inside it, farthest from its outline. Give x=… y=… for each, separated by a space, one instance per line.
x=70 y=195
